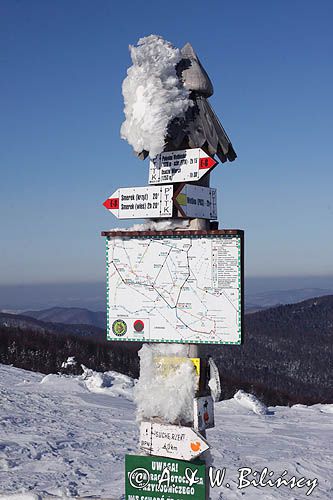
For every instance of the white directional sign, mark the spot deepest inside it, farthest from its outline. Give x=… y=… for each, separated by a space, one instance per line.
x=141 y=202
x=155 y=202
x=180 y=288
x=180 y=166
x=196 y=201
x=171 y=441
x=203 y=413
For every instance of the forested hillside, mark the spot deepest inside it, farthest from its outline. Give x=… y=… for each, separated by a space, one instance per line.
x=286 y=357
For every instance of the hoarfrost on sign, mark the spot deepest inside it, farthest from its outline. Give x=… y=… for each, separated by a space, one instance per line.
x=153 y=94
x=169 y=396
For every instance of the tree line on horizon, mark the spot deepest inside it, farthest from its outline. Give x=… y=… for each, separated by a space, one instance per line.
x=286 y=357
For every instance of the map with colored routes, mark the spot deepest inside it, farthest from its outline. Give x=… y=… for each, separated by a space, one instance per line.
x=184 y=289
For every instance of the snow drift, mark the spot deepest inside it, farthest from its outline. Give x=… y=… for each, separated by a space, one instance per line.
x=71 y=444
x=153 y=94
x=112 y=383
x=250 y=402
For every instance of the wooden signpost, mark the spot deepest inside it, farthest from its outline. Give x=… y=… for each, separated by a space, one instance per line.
x=177 y=286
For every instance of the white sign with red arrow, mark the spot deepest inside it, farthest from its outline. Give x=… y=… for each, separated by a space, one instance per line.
x=180 y=166
x=141 y=202
x=196 y=201
x=171 y=441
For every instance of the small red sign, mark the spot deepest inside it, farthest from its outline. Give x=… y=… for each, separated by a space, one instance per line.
x=207 y=162
x=111 y=203
x=138 y=325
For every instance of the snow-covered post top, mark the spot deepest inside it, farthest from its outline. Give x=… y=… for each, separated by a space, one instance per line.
x=166 y=95
x=153 y=94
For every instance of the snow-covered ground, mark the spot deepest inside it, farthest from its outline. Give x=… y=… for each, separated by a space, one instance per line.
x=66 y=437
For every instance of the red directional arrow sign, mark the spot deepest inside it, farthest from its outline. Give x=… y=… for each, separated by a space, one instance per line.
x=208 y=162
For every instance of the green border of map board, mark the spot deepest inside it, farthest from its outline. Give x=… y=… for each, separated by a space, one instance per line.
x=232 y=233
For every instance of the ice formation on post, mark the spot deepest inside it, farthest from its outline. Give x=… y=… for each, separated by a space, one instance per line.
x=166 y=95
x=168 y=397
x=153 y=94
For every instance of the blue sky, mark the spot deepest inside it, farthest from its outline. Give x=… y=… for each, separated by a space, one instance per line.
x=63 y=63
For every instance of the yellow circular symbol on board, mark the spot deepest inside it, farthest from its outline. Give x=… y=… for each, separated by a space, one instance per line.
x=119 y=327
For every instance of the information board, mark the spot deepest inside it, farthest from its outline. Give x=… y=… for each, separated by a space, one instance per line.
x=183 y=287
x=153 y=478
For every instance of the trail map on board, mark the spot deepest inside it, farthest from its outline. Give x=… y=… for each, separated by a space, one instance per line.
x=174 y=289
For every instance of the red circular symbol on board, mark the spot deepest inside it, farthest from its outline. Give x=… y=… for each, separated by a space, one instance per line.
x=138 y=325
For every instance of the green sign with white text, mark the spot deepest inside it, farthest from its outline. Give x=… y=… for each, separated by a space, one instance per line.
x=154 y=478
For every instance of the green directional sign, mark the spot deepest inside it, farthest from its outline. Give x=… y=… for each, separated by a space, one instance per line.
x=153 y=478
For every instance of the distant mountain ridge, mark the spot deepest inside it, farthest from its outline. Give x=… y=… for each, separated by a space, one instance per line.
x=256 y=301
x=70 y=316
x=29 y=323
x=253 y=302
x=286 y=357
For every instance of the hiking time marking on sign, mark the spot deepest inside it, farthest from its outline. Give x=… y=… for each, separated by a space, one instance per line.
x=141 y=202
x=196 y=201
x=171 y=441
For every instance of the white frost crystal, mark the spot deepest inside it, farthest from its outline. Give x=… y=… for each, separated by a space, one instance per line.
x=153 y=94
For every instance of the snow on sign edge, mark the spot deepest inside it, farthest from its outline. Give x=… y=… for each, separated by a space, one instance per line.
x=237 y=334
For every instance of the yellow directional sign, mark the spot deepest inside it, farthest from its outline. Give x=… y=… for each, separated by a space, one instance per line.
x=167 y=364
